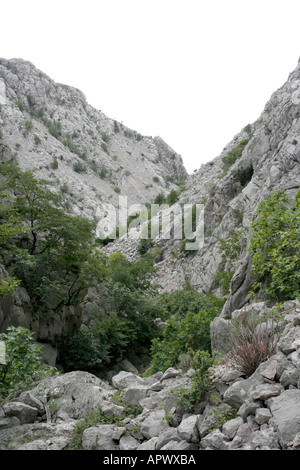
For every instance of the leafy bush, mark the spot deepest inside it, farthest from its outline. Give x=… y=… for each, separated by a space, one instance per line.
x=80 y=351
x=180 y=335
x=79 y=167
x=24 y=364
x=59 y=263
x=54 y=163
x=275 y=247
x=172 y=197
x=104 y=147
x=144 y=245
x=200 y=361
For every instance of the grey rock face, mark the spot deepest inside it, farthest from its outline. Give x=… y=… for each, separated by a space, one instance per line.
x=24 y=413
x=286 y=415
x=140 y=166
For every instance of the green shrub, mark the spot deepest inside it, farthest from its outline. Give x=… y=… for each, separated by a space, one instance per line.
x=172 y=197
x=180 y=335
x=24 y=363
x=104 y=147
x=37 y=140
x=79 y=167
x=200 y=361
x=28 y=126
x=54 y=163
x=275 y=247
x=116 y=127
x=80 y=351
x=233 y=155
x=20 y=105
x=103 y=173
x=144 y=245
x=105 y=137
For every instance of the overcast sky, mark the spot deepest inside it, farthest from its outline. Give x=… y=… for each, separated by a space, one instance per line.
x=193 y=72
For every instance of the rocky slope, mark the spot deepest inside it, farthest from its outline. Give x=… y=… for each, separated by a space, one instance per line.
x=51 y=129
x=260 y=412
x=231 y=191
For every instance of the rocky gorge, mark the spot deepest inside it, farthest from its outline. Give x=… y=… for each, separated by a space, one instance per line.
x=91 y=159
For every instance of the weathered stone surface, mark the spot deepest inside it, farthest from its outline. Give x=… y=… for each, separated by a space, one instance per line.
x=262 y=415
x=188 y=429
x=24 y=413
x=267 y=439
x=154 y=424
x=6 y=423
x=148 y=445
x=248 y=408
x=216 y=440
x=126 y=379
x=29 y=399
x=230 y=428
x=265 y=391
x=286 y=415
x=128 y=443
x=102 y=437
x=134 y=395
x=78 y=393
x=167 y=436
x=180 y=446
x=170 y=373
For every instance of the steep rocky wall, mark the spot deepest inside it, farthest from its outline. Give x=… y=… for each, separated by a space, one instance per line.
x=42 y=121
x=272 y=156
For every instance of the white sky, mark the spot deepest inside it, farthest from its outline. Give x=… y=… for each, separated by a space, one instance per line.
x=193 y=72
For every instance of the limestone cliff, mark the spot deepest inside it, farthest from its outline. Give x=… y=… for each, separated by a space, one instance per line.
x=52 y=130
x=262 y=158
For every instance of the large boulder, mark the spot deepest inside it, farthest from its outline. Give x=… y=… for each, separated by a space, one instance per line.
x=285 y=409
x=77 y=393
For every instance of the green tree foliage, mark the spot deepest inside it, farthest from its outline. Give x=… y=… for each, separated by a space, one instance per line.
x=188 y=327
x=275 y=247
x=60 y=262
x=24 y=364
x=126 y=323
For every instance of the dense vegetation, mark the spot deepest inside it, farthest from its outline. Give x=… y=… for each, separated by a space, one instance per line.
x=275 y=247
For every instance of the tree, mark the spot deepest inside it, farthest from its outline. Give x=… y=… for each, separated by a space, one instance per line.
x=61 y=260
x=10 y=227
x=24 y=364
x=275 y=247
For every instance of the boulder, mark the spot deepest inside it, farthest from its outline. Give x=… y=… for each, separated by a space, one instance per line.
x=102 y=437
x=154 y=424
x=126 y=379
x=188 y=430
x=24 y=413
x=285 y=409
